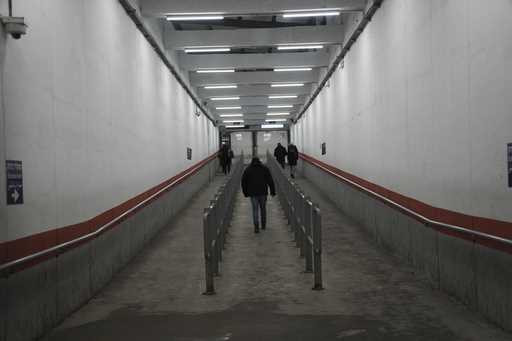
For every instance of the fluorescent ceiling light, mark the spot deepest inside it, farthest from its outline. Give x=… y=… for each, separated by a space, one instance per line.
x=284 y=11
x=233 y=121
x=299 y=47
x=194 y=17
x=282 y=96
x=280 y=106
x=221 y=87
x=225 y=98
x=293 y=69
x=276 y=120
x=208 y=49
x=283 y=85
x=311 y=14
x=227 y=108
x=278 y=114
x=271 y=126
x=215 y=71
x=232 y=115
x=235 y=126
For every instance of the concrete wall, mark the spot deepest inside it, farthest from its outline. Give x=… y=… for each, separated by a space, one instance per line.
x=37 y=299
x=92 y=112
x=477 y=275
x=422 y=108
x=268 y=140
x=422 y=105
x=242 y=142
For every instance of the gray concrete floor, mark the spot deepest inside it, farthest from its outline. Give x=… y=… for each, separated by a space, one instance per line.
x=263 y=294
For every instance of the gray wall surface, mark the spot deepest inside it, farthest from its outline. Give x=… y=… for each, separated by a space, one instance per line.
x=92 y=112
x=35 y=300
x=478 y=276
x=422 y=105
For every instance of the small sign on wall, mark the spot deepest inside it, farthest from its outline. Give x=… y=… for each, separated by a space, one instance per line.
x=14 y=183
x=189 y=153
x=509 y=164
x=324 y=150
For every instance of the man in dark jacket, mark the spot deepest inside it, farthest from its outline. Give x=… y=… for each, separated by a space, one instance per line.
x=280 y=154
x=293 y=156
x=224 y=158
x=256 y=181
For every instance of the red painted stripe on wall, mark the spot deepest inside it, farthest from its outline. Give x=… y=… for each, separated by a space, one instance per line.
x=489 y=226
x=22 y=247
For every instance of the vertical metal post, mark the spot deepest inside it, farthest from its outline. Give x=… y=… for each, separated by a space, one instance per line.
x=317 y=248
x=210 y=290
x=302 y=228
x=214 y=240
x=308 y=238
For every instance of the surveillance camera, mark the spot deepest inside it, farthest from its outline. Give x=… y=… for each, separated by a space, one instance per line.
x=15 y=26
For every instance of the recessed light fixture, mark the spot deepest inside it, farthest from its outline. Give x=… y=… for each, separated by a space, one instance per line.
x=311 y=14
x=272 y=126
x=282 y=96
x=221 y=87
x=280 y=106
x=278 y=114
x=235 y=126
x=208 y=49
x=276 y=120
x=228 y=108
x=225 y=98
x=299 y=47
x=194 y=17
x=285 y=85
x=293 y=69
x=232 y=115
x=233 y=121
x=215 y=70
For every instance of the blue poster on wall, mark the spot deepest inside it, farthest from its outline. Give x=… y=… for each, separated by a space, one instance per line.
x=509 y=164
x=14 y=182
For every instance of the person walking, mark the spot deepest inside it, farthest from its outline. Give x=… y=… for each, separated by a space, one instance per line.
x=231 y=155
x=293 y=156
x=280 y=154
x=256 y=181
x=223 y=158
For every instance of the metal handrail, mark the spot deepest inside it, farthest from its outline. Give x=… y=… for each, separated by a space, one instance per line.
x=415 y=214
x=216 y=218
x=304 y=217
x=105 y=226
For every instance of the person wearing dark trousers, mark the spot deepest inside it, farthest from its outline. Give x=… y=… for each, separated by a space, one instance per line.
x=224 y=158
x=256 y=182
x=280 y=154
x=230 y=157
x=293 y=156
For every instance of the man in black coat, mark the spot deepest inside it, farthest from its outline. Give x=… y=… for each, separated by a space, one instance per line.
x=280 y=154
x=256 y=181
x=293 y=156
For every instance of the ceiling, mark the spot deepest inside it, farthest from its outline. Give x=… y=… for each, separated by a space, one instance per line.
x=252 y=35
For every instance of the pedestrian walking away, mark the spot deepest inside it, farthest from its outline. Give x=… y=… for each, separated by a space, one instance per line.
x=280 y=154
x=256 y=182
x=293 y=156
x=224 y=158
x=231 y=155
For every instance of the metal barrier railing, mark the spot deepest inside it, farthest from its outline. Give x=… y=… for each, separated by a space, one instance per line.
x=304 y=217
x=216 y=219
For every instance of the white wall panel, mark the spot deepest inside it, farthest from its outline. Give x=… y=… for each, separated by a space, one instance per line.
x=92 y=112
x=422 y=105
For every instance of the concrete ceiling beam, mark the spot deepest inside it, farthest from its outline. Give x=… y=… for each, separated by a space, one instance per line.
x=257 y=100
x=263 y=77
x=179 y=40
x=254 y=61
x=232 y=7
x=254 y=90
